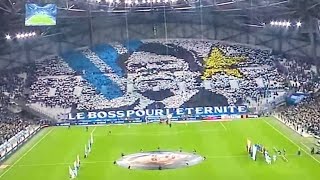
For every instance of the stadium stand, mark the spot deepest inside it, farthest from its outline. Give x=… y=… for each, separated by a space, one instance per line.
x=158 y=74
x=12 y=120
x=304 y=117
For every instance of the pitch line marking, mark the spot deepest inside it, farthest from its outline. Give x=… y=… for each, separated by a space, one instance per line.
x=224 y=127
x=305 y=145
x=25 y=153
x=93 y=129
x=291 y=141
x=110 y=161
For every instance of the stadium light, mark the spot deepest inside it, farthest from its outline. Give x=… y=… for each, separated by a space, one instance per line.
x=288 y=24
x=143 y=1
x=8 y=37
x=23 y=35
x=18 y=36
x=299 y=24
x=281 y=23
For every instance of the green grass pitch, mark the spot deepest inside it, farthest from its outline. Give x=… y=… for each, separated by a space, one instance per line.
x=48 y=154
x=40 y=20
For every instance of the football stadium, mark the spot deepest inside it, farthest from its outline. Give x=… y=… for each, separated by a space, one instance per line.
x=159 y=89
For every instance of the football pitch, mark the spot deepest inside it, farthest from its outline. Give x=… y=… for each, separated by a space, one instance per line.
x=49 y=154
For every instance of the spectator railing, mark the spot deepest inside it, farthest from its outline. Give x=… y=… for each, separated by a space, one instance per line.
x=7 y=148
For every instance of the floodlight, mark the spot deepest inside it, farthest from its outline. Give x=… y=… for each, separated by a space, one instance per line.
x=288 y=24
x=299 y=24
x=8 y=37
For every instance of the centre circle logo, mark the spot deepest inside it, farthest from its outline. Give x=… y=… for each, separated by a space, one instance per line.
x=157 y=160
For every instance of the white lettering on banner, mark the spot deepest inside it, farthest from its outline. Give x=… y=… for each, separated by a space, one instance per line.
x=130 y=112
x=217 y=110
x=232 y=109
x=140 y=113
x=70 y=117
x=80 y=115
x=199 y=110
x=120 y=114
x=148 y=113
x=242 y=109
x=180 y=111
x=112 y=114
x=158 y=113
x=92 y=115
x=102 y=114
x=208 y=110
x=225 y=109
x=189 y=110
x=167 y=111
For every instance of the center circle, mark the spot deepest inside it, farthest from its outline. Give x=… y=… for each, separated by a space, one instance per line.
x=158 y=160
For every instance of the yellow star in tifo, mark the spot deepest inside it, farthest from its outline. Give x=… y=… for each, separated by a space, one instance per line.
x=217 y=62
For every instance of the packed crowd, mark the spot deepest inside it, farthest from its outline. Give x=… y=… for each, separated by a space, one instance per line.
x=157 y=73
x=12 y=85
x=304 y=117
x=150 y=71
x=302 y=75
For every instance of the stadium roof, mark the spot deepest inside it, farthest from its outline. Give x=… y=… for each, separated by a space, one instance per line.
x=12 y=11
x=245 y=15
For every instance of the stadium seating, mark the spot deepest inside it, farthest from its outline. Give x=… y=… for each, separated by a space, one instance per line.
x=12 y=83
x=304 y=117
x=109 y=55
x=133 y=45
x=93 y=75
x=164 y=74
x=160 y=74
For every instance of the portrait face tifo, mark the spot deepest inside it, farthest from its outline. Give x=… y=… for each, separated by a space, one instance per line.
x=152 y=72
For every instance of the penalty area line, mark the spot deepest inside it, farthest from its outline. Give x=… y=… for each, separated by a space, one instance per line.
x=291 y=141
x=10 y=167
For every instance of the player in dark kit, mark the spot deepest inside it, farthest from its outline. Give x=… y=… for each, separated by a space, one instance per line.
x=87 y=128
x=312 y=150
